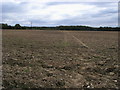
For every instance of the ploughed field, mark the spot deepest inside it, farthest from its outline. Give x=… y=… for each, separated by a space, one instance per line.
x=60 y=59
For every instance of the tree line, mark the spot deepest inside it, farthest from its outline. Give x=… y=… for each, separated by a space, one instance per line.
x=80 y=28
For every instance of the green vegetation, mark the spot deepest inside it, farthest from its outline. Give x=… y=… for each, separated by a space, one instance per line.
x=81 y=28
x=17 y=26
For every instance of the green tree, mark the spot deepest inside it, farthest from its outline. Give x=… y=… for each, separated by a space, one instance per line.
x=4 y=26
x=17 y=26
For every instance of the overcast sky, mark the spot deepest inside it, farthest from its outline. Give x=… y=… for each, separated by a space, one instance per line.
x=60 y=12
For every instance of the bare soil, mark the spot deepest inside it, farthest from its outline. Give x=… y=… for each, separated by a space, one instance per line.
x=60 y=59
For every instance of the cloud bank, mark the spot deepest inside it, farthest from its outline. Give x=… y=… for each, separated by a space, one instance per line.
x=55 y=12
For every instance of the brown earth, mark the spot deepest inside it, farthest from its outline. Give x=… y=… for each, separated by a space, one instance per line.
x=60 y=59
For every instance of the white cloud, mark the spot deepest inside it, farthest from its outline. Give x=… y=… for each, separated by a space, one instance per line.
x=44 y=1
x=41 y=12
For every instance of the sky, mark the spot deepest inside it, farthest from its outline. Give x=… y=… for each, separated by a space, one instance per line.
x=94 y=13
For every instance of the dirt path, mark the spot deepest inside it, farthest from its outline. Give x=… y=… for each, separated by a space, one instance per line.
x=75 y=38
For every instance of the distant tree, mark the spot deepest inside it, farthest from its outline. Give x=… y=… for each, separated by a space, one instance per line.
x=80 y=28
x=4 y=26
x=17 y=26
